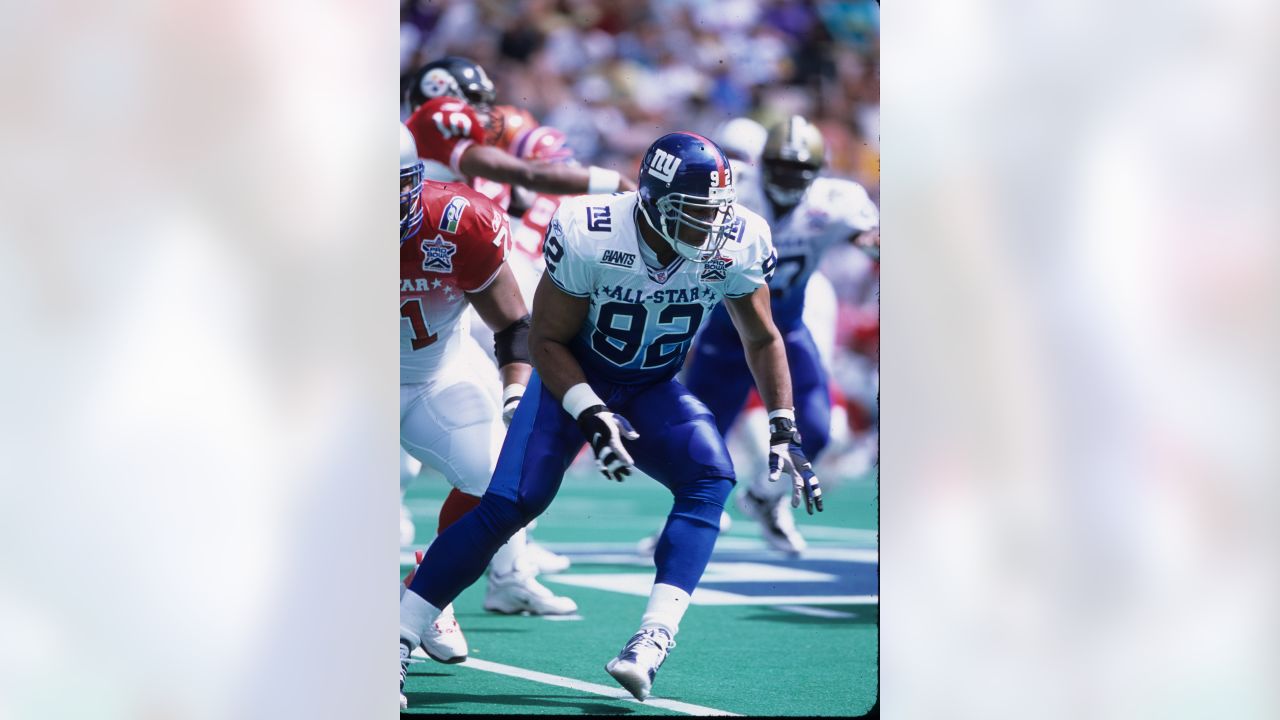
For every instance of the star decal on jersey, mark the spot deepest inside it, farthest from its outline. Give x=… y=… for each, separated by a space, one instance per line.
x=716 y=268
x=437 y=255
x=435 y=283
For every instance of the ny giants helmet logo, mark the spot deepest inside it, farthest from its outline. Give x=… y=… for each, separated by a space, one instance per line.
x=663 y=165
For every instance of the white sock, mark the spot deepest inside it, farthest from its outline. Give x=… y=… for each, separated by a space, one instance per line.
x=511 y=555
x=416 y=615
x=667 y=604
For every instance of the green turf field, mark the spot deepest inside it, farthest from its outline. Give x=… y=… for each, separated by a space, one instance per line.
x=786 y=637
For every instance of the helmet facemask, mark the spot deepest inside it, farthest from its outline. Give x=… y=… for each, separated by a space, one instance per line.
x=786 y=181
x=695 y=227
x=410 y=200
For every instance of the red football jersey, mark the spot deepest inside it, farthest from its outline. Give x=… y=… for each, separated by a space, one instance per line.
x=444 y=128
x=463 y=241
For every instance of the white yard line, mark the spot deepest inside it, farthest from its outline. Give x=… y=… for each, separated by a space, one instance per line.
x=616 y=693
x=814 y=611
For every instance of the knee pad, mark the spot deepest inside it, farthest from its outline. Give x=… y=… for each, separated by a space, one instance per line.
x=702 y=500
x=499 y=516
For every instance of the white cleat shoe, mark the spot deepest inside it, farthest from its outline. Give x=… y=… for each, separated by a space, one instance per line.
x=444 y=641
x=546 y=561
x=520 y=592
x=776 y=522
x=637 y=665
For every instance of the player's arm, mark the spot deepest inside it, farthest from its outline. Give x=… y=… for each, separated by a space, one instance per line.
x=500 y=306
x=490 y=162
x=557 y=318
x=766 y=354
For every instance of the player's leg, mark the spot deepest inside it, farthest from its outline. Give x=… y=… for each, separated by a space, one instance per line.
x=680 y=447
x=717 y=371
x=449 y=428
x=539 y=445
x=468 y=431
x=769 y=503
x=810 y=390
x=409 y=468
x=718 y=375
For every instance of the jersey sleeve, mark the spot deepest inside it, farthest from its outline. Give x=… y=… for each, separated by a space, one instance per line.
x=566 y=265
x=487 y=241
x=443 y=128
x=755 y=265
x=853 y=207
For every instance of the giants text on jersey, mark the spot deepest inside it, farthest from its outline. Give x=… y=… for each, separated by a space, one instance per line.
x=641 y=318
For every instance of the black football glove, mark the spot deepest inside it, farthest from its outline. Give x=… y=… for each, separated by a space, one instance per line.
x=605 y=431
x=786 y=458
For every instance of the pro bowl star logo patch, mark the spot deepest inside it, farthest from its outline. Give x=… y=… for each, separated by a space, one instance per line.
x=717 y=268
x=437 y=255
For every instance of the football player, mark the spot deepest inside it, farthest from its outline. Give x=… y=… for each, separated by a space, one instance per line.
x=808 y=214
x=629 y=279
x=453 y=247
x=451 y=102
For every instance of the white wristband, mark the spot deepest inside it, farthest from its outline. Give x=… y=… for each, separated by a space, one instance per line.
x=601 y=181
x=510 y=391
x=787 y=413
x=579 y=398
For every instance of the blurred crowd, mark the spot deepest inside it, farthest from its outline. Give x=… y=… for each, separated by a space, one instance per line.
x=614 y=74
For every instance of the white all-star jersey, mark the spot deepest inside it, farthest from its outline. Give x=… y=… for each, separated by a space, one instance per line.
x=831 y=212
x=642 y=319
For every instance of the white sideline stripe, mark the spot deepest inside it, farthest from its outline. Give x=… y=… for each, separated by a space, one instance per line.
x=582 y=686
x=814 y=611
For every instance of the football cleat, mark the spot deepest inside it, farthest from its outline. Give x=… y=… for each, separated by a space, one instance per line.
x=546 y=561
x=637 y=665
x=404 y=670
x=520 y=592
x=443 y=641
x=777 y=525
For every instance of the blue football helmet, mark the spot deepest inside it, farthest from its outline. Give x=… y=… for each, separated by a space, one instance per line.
x=687 y=194
x=411 y=173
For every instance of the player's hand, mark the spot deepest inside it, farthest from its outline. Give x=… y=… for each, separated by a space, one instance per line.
x=511 y=396
x=605 y=431
x=786 y=458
